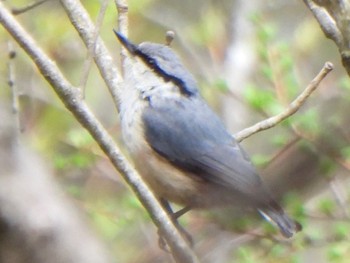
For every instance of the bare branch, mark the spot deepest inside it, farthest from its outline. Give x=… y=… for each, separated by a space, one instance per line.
x=14 y=91
x=104 y=61
x=91 y=50
x=293 y=107
x=21 y=10
x=339 y=195
x=326 y=21
x=70 y=96
x=333 y=18
x=123 y=24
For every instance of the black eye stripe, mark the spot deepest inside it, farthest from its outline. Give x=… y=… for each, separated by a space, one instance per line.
x=152 y=63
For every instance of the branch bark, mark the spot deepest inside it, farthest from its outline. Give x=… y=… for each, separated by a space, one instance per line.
x=80 y=19
x=293 y=107
x=334 y=20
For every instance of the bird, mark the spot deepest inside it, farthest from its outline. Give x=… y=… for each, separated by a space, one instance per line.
x=180 y=146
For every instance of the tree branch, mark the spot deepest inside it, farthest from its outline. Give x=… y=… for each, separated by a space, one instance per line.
x=123 y=24
x=103 y=60
x=334 y=20
x=21 y=10
x=71 y=98
x=91 y=49
x=293 y=107
x=14 y=91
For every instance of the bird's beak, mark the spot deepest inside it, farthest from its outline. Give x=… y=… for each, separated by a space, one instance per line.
x=132 y=48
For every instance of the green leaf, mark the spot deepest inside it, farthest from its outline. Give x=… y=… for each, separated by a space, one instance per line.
x=260 y=160
x=345 y=151
x=259 y=98
x=337 y=252
x=341 y=230
x=221 y=85
x=327 y=206
x=245 y=255
x=79 y=137
x=308 y=121
x=344 y=83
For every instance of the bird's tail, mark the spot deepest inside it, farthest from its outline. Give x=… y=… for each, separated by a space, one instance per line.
x=275 y=214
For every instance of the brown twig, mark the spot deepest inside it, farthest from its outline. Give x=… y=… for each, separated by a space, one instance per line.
x=293 y=107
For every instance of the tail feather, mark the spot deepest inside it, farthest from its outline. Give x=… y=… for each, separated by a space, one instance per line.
x=275 y=214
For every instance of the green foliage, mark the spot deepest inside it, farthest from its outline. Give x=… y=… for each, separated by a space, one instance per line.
x=295 y=206
x=72 y=155
x=79 y=138
x=258 y=98
x=260 y=159
x=341 y=230
x=221 y=85
x=266 y=31
x=113 y=217
x=75 y=159
x=106 y=225
x=207 y=29
x=245 y=255
x=308 y=122
x=345 y=152
x=339 y=252
x=344 y=83
x=74 y=190
x=327 y=166
x=327 y=206
x=136 y=6
x=278 y=250
x=280 y=139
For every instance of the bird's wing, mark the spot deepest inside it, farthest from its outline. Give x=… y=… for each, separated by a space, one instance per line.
x=190 y=135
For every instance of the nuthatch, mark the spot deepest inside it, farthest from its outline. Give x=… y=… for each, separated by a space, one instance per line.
x=179 y=145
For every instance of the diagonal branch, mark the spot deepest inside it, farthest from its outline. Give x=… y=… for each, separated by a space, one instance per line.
x=71 y=98
x=334 y=20
x=91 y=50
x=21 y=10
x=103 y=59
x=293 y=107
x=123 y=24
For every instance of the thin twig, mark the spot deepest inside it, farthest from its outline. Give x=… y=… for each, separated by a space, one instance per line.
x=81 y=20
x=326 y=217
x=21 y=10
x=14 y=91
x=286 y=147
x=92 y=48
x=293 y=107
x=338 y=193
x=70 y=96
x=123 y=25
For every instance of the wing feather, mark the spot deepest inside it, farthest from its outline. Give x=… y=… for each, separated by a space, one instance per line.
x=190 y=135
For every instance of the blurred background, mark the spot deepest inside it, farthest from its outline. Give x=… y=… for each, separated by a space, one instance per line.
x=251 y=59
